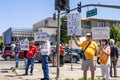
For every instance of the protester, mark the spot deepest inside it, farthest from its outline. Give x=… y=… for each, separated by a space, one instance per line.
x=114 y=57
x=30 y=57
x=54 y=54
x=25 y=57
x=61 y=55
x=89 y=54
x=105 y=68
x=17 y=51
x=13 y=48
x=45 y=51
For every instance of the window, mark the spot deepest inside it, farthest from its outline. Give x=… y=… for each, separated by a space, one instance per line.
x=46 y=22
x=101 y=24
x=111 y=24
x=89 y=25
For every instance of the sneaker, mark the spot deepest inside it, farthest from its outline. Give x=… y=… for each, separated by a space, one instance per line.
x=42 y=78
x=25 y=74
x=45 y=79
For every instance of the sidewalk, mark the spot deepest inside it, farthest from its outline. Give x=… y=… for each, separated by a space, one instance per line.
x=65 y=72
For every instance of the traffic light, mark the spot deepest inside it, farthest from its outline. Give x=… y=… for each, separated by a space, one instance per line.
x=79 y=7
x=61 y=4
x=54 y=16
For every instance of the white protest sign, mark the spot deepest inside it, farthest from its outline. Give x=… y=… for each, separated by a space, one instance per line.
x=41 y=36
x=24 y=44
x=99 y=33
x=74 y=24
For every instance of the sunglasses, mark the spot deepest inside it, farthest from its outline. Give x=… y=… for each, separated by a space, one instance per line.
x=88 y=36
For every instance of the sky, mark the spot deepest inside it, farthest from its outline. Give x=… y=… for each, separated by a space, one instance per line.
x=25 y=13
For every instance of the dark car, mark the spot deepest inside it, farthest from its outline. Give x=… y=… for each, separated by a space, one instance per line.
x=71 y=55
x=8 y=55
x=78 y=51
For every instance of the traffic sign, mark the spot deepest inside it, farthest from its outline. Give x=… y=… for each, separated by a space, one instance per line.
x=92 y=12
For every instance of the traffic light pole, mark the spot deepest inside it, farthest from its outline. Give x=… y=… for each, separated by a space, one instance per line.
x=97 y=5
x=58 y=44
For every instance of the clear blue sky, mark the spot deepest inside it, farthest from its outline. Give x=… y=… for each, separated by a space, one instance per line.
x=24 y=13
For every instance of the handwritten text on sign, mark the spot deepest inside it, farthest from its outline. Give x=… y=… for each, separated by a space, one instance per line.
x=74 y=24
x=100 y=33
x=24 y=45
x=41 y=36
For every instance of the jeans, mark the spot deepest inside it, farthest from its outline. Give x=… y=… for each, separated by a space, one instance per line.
x=45 y=66
x=61 y=60
x=30 y=61
x=16 y=59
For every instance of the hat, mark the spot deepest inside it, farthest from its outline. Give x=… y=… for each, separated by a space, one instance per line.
x=88 y=34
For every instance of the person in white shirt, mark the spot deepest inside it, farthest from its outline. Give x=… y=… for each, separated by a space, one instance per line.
x=45 y=51
x=105 y=68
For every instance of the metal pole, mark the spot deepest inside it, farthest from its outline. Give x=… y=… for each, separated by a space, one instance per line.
x=71 y=56
x=58 y=44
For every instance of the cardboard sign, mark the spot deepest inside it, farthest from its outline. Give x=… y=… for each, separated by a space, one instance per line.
x=99 y=33
x=103 y=58
x=41 y=36
x=74 y=24
x=24 y=44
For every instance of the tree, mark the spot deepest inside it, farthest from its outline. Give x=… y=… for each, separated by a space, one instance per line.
x=115 y=33
x=64 y=38
x=63 y=34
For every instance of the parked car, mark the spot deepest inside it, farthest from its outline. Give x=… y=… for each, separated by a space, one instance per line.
x=71 y=55
x=39 y=56
x=7 y=54
x=78 y=51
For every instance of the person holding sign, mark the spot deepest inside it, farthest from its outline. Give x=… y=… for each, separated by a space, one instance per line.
x=105 y=59
x=90 y=49
x=30 y=57
x=45 y=51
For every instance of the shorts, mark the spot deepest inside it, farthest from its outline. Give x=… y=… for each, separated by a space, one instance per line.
x=86 y=64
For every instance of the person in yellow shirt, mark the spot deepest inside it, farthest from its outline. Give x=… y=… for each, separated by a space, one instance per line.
x=90 y=49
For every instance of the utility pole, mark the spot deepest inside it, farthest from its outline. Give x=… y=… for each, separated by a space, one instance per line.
x=58 y=44
x=60 y=5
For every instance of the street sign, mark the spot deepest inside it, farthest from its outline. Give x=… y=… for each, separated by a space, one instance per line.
x=74 y=24
x=41 y=36
x=92 y=12
x=99 y=33
x=24 y=44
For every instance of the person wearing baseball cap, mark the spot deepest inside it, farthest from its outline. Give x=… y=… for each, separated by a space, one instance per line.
x=90 y=49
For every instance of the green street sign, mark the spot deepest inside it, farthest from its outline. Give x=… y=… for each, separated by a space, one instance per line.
x=92 y=12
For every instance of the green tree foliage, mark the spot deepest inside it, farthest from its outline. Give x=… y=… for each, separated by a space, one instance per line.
x=64 y=38
x=115 y=33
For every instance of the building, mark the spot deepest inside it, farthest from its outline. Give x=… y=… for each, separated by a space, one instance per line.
x=47 y=25
x=14 y=34
x=87 y=24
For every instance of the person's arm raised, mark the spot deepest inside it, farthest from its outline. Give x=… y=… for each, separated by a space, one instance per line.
x=74 y=36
